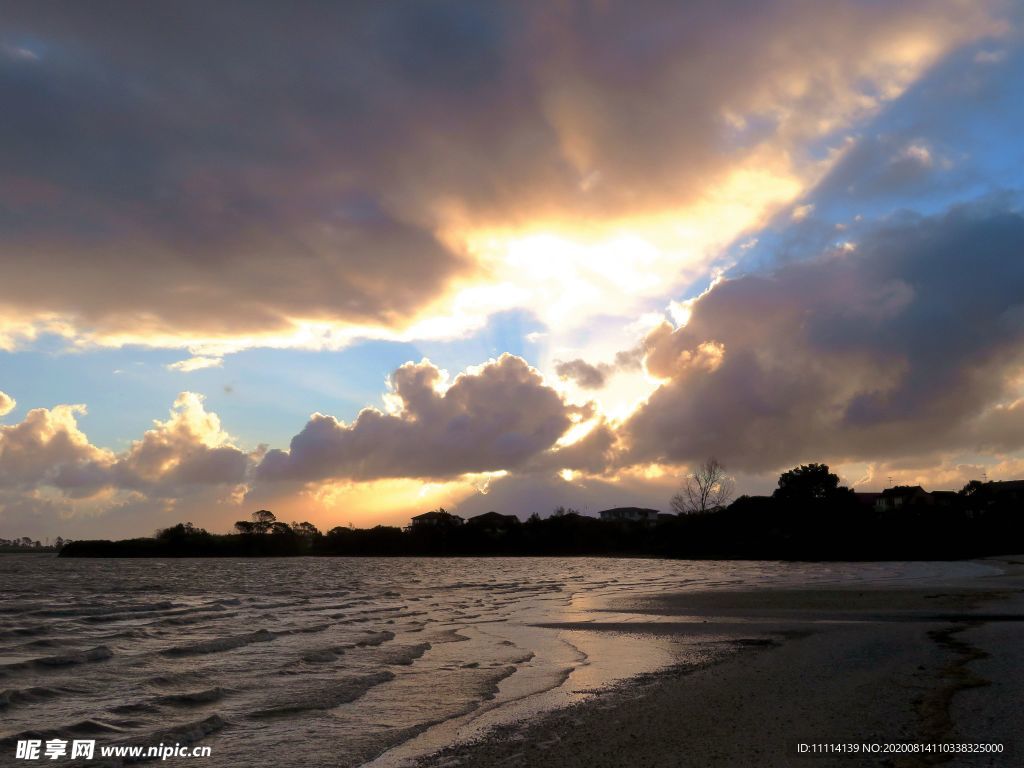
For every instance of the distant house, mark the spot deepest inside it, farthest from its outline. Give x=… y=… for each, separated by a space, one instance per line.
x=436 y=519
x=902 y=496
x=1012 y=490
x=570 y=516
x=867 y=499
x=630 y=515
x=994 y=493
x=944 y=498
x=493 y=522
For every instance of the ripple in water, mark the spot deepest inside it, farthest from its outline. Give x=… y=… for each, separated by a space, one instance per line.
x=336 y=661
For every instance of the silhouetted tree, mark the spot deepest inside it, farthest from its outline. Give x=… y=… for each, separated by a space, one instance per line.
x=706 y=488
x=973 y=488
x=306 y=529
x=807 y=483
x=976 y=496
x=180 y=532
x=262 y=520
x=245 y=526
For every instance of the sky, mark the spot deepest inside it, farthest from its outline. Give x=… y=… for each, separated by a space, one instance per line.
x=349 y=262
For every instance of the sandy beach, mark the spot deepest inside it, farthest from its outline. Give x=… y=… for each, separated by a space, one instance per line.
x=860 y=666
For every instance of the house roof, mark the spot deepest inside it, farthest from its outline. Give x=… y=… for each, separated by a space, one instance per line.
x=493 y=517
x=1006 y=485
x=903 y=490
x=436 y=516
x=627 y=510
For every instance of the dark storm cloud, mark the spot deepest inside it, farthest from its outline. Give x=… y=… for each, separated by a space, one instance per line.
x=206 y=154
x=218 y=168
x=902 y=347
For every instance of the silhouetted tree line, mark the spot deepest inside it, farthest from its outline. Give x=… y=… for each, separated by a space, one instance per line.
x=27 y=544
x=810 y=516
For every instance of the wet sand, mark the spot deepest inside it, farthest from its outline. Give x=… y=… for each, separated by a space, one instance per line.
x=831 y=665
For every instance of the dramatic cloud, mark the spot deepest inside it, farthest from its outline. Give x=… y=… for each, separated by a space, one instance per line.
x=456 y=180
x=48 y=451
x=913 y=342
x=1000 y=429
x=189 y=449
x=583 y=373
x=882 y=167
x=435 y=441
x=589 y=376
x=594 y=453
x=494 y=418
x=308 y=173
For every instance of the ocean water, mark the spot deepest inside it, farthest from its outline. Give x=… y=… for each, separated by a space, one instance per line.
x=338 y=661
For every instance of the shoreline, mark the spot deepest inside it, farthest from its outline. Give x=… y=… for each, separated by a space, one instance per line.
x=866 y=663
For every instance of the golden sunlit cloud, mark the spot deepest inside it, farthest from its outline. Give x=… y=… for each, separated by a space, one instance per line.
x=566 y=272
x=649 y=210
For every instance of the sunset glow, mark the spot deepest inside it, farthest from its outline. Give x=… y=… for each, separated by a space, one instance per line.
x=554 y=257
